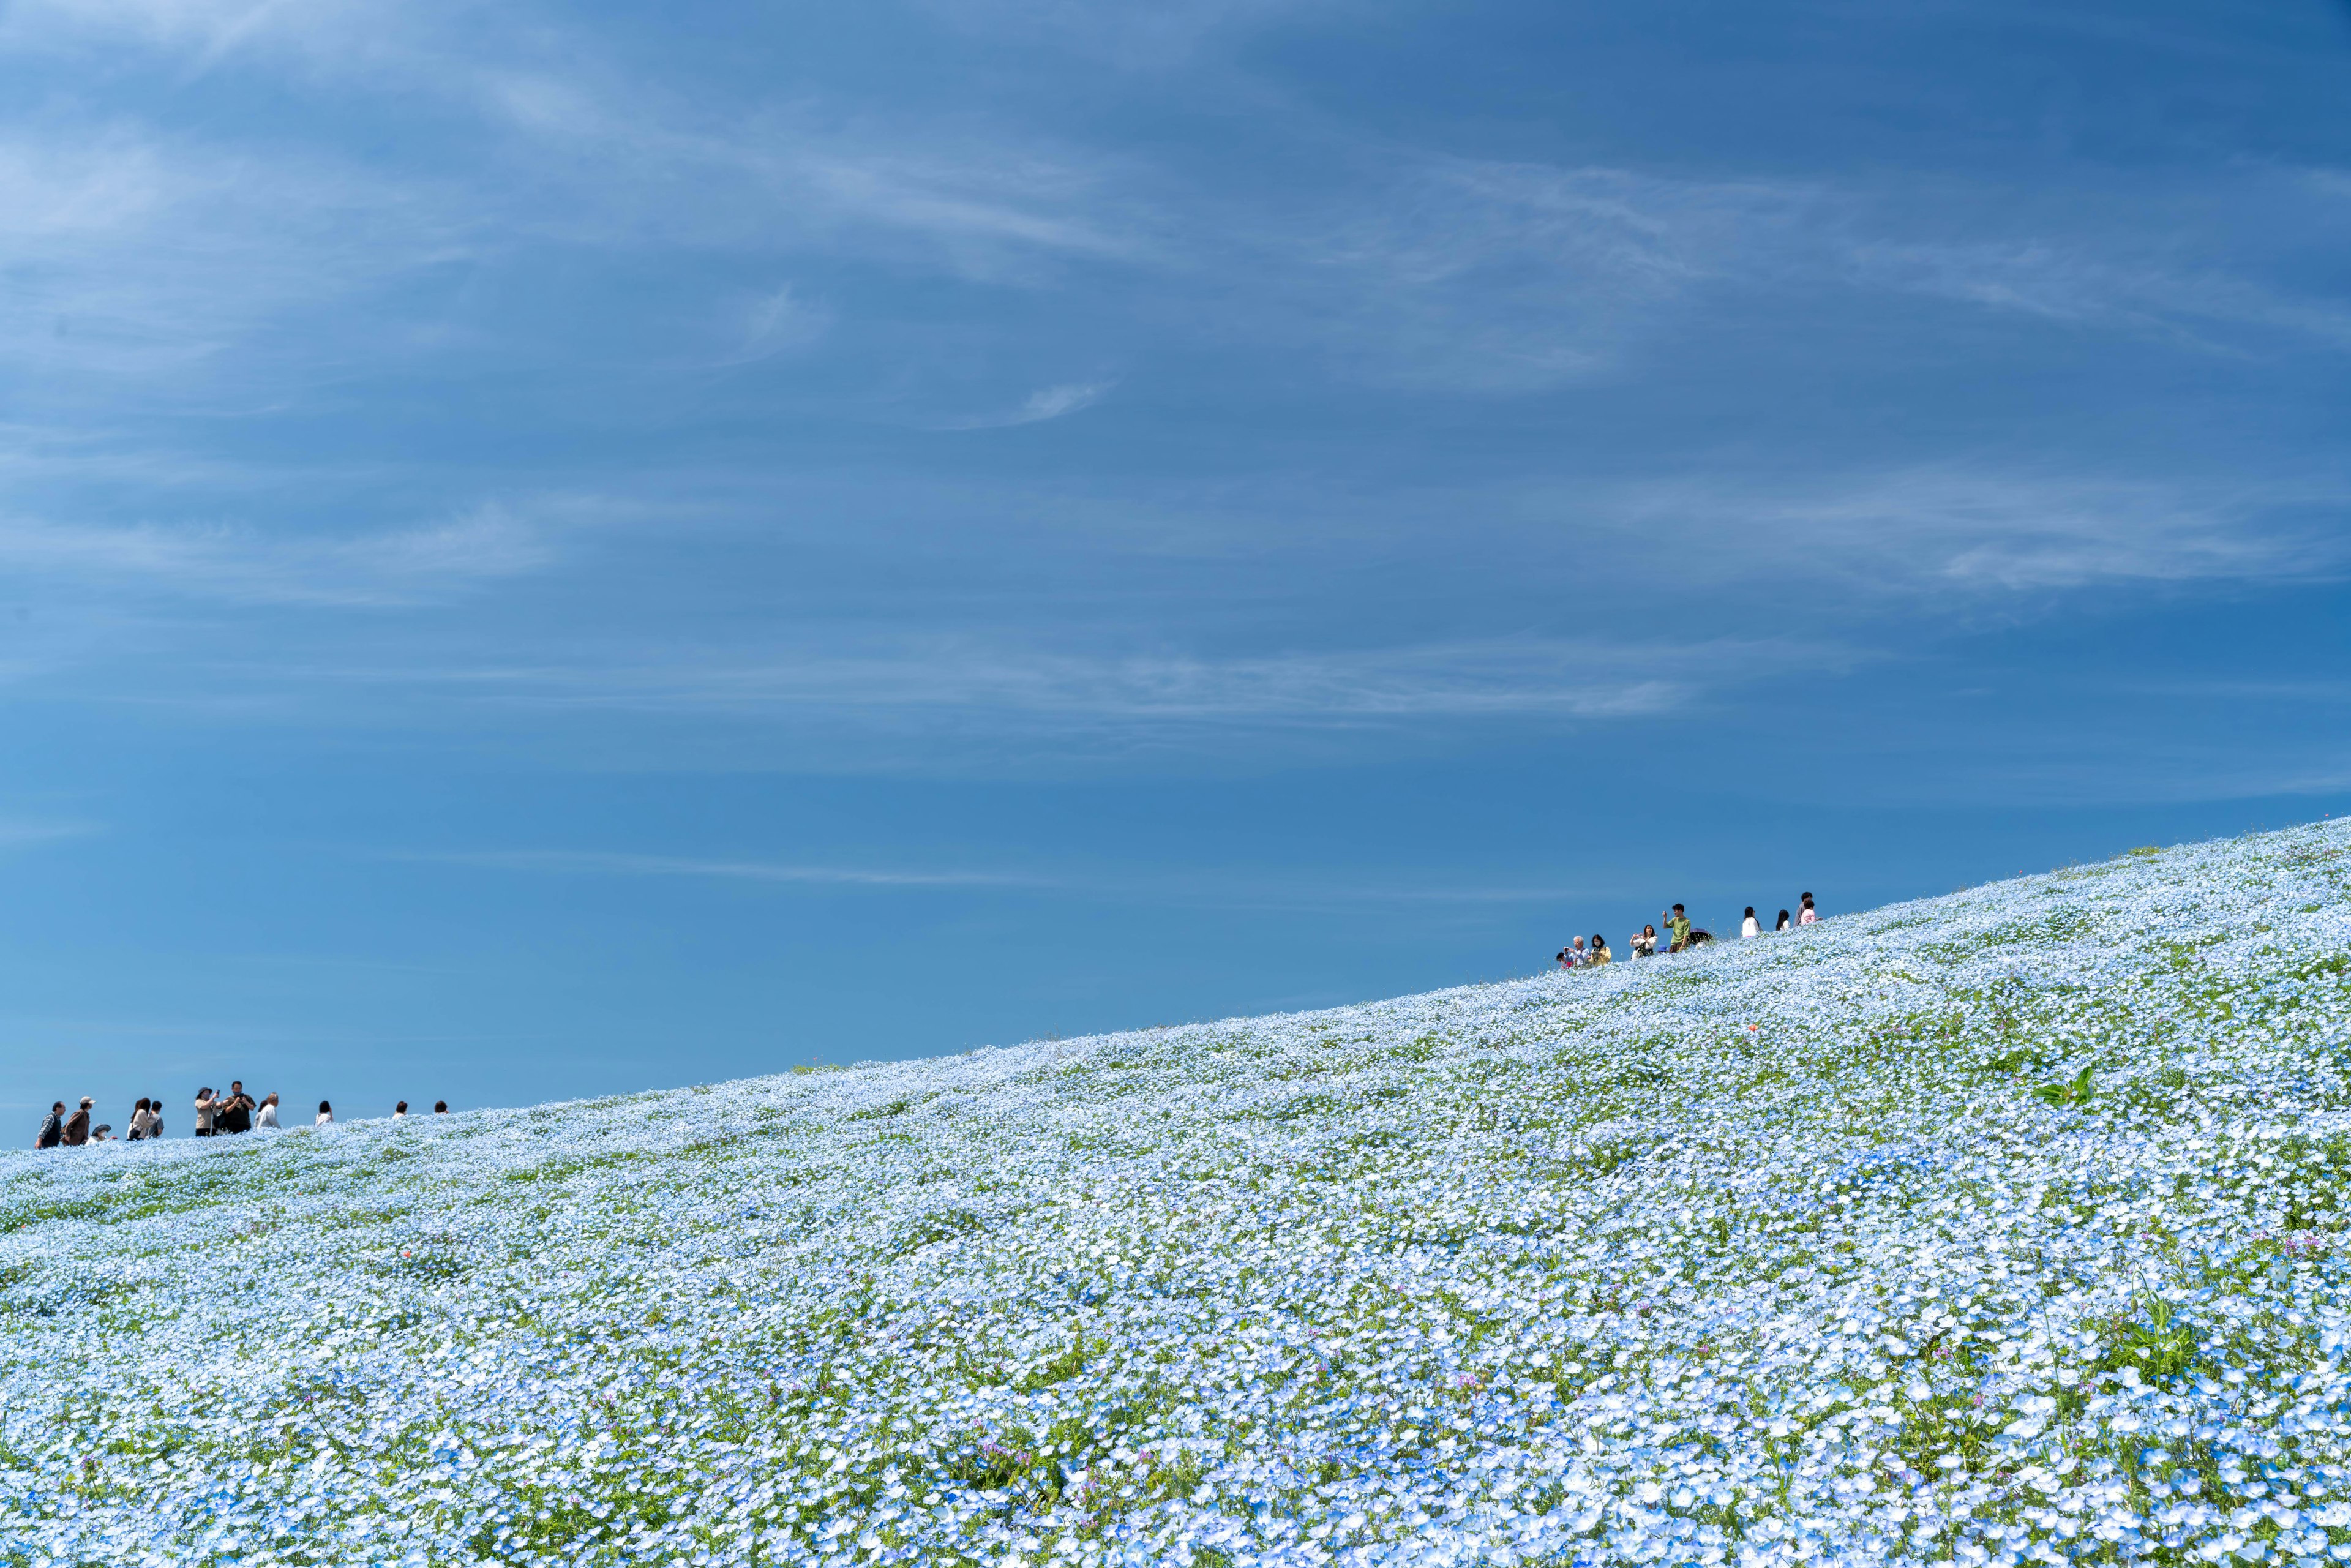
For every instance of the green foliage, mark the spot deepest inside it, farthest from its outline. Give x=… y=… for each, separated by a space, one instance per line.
x=2076 y=1091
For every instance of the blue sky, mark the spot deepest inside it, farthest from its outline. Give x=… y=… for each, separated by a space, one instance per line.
x=546 y=550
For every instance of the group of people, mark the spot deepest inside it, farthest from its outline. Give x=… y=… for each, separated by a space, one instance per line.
x=1680 y=935
x=217 y=1115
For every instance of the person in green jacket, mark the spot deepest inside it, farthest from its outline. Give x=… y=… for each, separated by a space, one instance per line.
x=1678 y=923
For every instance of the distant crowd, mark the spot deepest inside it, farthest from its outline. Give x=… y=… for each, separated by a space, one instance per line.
x=1680 y=935
x=217 y=1115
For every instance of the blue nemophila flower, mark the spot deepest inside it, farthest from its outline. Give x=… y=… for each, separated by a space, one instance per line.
x=2001 y=1228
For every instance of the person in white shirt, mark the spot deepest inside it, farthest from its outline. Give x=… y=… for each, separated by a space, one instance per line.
x=1748 y=927
x=400 y=1111
x=325 y=1116
x=1807 y=916
x=143 y=1120
x=266 y=1114
x=1784 y=922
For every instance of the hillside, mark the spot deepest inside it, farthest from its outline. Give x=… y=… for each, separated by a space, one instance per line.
x=2005 y=1226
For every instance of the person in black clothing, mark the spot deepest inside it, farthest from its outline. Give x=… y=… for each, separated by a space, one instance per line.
x=53 y=1131
x=236 y=1115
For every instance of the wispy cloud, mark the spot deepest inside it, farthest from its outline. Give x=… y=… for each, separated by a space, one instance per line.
x=19 y=833
x=609 y=863
x=1137 y=35
x=140 y=265
x=1046 y=402
x=200 y=32
x=777 y=323
x=974 y=200
x=397 y=567
x=2073 y=282
x=1994 y=530
x=1256 y=886
x=1015 y=686
x=1500 y=276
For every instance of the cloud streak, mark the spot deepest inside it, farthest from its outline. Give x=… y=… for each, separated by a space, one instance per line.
x=1214 y=888
x=1045 y=403
x=611 y=864
x=1981 y=532
x=399 y=566
x=1491 y=679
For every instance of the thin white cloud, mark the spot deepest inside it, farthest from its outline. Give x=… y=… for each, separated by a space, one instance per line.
x=19 y=833
x=1499 y=276
x=1256 y=886
x=777 y=323
x=1135 y=35
x=602 y=862
x=1986 y=531
x=1046 y=402
x=397 y=567
x=2074 y=284
x=141 y=264
x=201 y=32
x=1012 y=685
x=966 y=197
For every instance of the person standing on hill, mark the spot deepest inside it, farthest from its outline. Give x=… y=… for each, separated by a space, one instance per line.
x=1644 y=942
x=206 y=1107
x=325 y=1116
x=1783 y=922
x=1748 y=927
x=236 y=1115
x=1808 y=916
x=53 y=1129
x=1600 y=953
x=142 y=1118
x=1678 y=923
x=77 y=1125
x=266 y=1115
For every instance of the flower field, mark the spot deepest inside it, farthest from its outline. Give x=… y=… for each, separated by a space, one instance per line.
x=2005 y=1227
